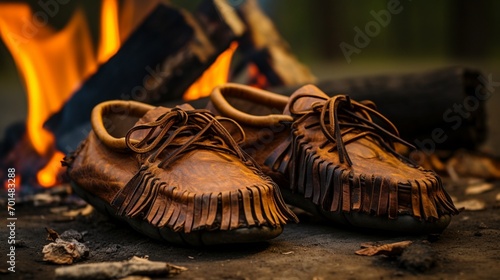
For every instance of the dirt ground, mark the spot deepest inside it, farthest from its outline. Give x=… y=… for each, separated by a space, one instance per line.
x=312 y=249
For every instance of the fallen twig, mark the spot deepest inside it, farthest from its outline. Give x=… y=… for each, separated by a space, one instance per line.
x=112 y=270
x=391 y=249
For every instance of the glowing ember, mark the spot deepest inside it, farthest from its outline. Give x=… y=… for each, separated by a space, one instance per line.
x=16 y=183
x=257 y=79
x=215 y=75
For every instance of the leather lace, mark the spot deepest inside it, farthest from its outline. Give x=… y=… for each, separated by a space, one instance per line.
x=339 y=116
x=184 y=130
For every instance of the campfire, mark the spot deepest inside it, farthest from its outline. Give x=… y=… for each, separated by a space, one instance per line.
x=61 y=68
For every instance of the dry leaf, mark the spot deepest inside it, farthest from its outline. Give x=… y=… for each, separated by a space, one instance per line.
x=87 y=210
x=52 y=234
x=471 y=204
x=64 y=252
x=478 y=189
x=474 y=164
x=43 y=199
x=391 y=249
x=59 y=209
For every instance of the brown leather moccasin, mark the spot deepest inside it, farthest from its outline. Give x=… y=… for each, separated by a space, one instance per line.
x=336 y=157
x=175 y=174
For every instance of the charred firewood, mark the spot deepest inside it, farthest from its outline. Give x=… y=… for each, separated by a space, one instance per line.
x=215 y=25
x=158 y=62
x=134 y=67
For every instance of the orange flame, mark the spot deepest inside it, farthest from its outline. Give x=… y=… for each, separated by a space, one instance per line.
x=117 y=22
x=53 y=64
x=47 y=176
x=216 y=74
x=110 y=35
x=50 y=70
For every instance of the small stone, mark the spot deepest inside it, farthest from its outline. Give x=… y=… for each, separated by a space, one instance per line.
x=112 y=249
x=398 y=274
x=433 y=237
x=71 y=234
x=21 y=244
x=482 y=226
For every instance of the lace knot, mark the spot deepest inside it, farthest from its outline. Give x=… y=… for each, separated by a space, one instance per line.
x=181 y=131
x=339 y=116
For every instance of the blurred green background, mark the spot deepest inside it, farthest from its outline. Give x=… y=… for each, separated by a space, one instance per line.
x=423 y=35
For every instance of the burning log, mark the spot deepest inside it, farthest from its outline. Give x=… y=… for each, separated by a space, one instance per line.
x=439 y=109
x=158 y=62
x=215 y=25
x=170 y=51
x=18 y=152
x=163 y=33
x=118 y=270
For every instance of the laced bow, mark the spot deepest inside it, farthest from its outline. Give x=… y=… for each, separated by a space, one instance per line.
x=339 y=116
x=182 y=131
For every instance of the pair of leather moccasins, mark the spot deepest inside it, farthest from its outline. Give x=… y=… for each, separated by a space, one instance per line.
x=224 y=174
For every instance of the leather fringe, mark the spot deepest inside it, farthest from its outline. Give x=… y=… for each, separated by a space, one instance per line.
x=335 y=188
x=163 y=205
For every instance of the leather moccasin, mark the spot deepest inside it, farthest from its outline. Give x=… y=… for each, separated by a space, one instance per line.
x=175 y=174
x=336 y=157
